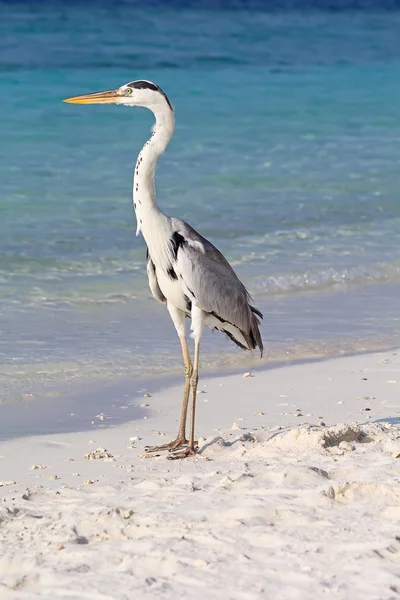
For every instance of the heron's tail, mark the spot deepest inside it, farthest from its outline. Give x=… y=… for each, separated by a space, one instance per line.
x=248 y=338
x=254 y=334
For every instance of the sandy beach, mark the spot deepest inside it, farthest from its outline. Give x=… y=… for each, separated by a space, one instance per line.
x=295 y=493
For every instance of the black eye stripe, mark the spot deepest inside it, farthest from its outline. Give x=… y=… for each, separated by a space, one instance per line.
x=148 y=85
x=144 y=85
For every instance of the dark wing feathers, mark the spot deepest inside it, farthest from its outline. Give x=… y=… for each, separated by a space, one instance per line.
x=210 y=280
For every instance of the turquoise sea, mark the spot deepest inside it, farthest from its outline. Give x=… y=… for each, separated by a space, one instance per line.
x=286 y=155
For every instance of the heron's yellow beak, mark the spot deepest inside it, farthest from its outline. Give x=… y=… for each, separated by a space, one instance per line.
x=106 y=97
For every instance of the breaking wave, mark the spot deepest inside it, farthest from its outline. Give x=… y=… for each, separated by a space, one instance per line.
x=315 y=280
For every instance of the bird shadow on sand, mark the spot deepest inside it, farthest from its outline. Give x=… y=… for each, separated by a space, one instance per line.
x=220 y=441
x=390 y=420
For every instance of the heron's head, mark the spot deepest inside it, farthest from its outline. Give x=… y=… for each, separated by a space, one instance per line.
x=135 y=93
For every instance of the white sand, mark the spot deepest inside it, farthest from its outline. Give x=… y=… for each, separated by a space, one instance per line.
x=304 y=512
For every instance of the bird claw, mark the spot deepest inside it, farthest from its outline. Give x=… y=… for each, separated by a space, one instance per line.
x=171 y=446
x=185 y=453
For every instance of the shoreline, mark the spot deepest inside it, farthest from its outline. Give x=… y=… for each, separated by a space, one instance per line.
x=298 y=465
x=59 y=408
x=118 y=341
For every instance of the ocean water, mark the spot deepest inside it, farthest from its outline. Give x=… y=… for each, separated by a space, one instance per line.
x=286 y=155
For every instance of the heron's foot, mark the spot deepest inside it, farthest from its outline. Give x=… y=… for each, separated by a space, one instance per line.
x=171 y=446
x=188 y=451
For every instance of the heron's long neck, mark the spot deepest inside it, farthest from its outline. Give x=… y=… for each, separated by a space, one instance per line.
x=144 y=195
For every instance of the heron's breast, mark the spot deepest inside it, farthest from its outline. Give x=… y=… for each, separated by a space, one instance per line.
x=171 y=289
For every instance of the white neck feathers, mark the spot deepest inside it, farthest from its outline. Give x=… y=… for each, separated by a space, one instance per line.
x=144 y=195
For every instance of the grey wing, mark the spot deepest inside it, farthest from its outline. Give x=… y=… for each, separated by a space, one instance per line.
x=210 y=282
x=153 y=283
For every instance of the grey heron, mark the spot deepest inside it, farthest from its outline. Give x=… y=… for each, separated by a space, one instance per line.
x=186 y=272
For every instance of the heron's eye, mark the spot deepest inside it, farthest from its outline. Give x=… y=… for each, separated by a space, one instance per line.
x=128 y=91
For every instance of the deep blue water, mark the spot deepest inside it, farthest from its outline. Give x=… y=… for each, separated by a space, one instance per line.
x=286 y=155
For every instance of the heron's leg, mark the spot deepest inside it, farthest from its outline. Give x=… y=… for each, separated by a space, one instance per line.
x=198 y=328
x=194 y=382
x=186 y=392
x=180 y=440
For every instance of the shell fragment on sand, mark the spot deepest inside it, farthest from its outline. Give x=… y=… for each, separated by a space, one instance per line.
x=98 y=454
